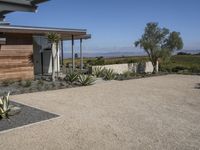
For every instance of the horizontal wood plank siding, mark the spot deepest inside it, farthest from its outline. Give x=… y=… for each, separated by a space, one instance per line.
x=16 y=60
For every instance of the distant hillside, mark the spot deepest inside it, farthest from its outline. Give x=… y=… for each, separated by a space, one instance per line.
x=190 y=51
x=120 y=54
x=112 y=54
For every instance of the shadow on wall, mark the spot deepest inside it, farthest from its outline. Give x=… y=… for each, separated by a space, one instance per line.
x=197 y=86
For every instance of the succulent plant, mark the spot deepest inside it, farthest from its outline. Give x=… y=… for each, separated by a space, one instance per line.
x=86 y=80
x=98 y=72
x=71 y=77
x=109 y=74
x=6 y=109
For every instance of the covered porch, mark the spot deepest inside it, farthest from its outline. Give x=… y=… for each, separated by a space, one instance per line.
x=16 y=39
x=72 y=39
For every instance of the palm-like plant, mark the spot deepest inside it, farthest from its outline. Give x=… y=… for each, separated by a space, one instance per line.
x=54 y=39
x=6 y=109
x=86 y=80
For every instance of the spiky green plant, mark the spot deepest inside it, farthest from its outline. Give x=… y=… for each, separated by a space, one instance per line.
x=6 y=109
x=98 y=72
x=72 y=77
x=86 y=80
x=109 y=74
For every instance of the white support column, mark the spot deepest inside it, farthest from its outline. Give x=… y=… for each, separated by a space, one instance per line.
x=73 y=59
x=81 y=54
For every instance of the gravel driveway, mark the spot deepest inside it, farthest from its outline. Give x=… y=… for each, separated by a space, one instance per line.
x=157 y=113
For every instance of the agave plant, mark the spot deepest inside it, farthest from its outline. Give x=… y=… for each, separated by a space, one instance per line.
x=86 y=80
x=6 y=109
x=98 y=72
x=108 y=74
x=72 y=77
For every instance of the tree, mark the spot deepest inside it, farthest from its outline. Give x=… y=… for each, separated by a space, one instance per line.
x=159 y=43
x=54 y=39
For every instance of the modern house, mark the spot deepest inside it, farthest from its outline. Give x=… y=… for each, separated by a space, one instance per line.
x=25 y=51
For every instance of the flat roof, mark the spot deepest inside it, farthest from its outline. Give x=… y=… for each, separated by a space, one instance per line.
x=65 y=33
x=8 y=6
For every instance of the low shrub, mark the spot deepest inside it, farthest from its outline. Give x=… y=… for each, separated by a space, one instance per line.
x=72 y=77
x=126 y=75
x=53 y=85
x=100 y=61
x=179 y=68
x=98 y=72
x=165 y=68
x=173 y=68
x=195 y=69
x=108 y=74
x=28 y=83
x=97 y=61
x=86 y=80
x=25 y=84
x=40 y=82
x=47 y=87
x=20 y=83
x=7 y=82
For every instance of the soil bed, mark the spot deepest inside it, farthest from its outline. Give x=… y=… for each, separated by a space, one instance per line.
x=28 y=115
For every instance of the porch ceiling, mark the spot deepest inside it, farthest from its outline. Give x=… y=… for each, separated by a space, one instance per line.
x=76 y=37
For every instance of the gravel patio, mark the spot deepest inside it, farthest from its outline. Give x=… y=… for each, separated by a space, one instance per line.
x=157 y=113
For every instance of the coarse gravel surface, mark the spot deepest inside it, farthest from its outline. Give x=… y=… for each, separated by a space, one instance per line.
x=157 y=113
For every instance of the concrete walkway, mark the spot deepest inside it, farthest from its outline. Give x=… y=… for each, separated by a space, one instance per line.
x=158 y=113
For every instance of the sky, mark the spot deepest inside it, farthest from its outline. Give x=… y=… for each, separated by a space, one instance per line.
x=116 y=24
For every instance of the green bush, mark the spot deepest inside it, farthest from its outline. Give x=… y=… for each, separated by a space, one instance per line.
x=179 y=68
x=40 y=82
x=72 y=77
x=28 y=83
x=129 y=74
x=195 y=69
x=165 y=68
x=7 y=82
x=97 y=61
x=98 y=72
x=100 y=61
x=86 y=80
x=47 y=87
x=108 y=74
x=126 y=75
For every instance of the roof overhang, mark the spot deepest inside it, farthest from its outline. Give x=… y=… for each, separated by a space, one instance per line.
x=65 y=33
x=78 y=37
x=8 y=6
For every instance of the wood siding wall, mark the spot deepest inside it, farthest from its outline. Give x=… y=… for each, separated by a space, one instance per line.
x=16 y=58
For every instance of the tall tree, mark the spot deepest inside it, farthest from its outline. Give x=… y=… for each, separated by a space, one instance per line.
x=54 y=39
x=159 y=43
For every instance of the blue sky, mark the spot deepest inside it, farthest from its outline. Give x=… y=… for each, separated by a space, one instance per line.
x=116 y=24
